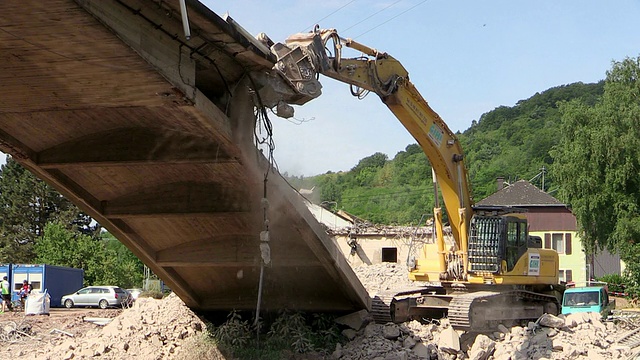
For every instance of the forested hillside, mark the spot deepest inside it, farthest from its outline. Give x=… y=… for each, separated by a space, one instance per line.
x=512 y=142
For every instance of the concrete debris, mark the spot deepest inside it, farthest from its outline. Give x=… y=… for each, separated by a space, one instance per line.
x=576 y=336
x=482 y=348
x=98 y=321
x=414 y=340
x=386 y=276
x=151 y=329
x=354 y=320
x=61 y=332
x=449 y=340
x=551 y=321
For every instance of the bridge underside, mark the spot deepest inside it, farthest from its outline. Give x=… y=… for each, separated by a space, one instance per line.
x=152 y=135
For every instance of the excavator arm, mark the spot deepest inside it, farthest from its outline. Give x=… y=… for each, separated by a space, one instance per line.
x=494 y=261
x=304 y=56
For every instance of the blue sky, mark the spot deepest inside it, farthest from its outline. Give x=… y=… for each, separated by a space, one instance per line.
x=465 y=57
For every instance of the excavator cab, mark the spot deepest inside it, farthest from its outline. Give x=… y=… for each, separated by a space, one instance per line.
x=496 y=243
x=500 y=248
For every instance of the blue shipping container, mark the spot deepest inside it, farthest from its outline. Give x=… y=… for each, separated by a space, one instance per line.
x=57 y=280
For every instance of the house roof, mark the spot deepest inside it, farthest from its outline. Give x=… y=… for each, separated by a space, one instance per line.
x=521 y=193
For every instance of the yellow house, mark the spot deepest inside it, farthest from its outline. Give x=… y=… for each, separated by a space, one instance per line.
x=553 y=221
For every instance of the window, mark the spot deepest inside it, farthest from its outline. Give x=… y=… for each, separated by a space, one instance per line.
x=522 y=237
x=565 y=275
x=35 y=285
x=512 y=234
x=390 y=255
x=557 y=243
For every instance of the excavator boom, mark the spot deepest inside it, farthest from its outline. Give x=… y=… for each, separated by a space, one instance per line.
x=493 y=264
x=304 y=56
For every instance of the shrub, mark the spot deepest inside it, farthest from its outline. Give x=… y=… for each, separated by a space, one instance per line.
x=615 y=283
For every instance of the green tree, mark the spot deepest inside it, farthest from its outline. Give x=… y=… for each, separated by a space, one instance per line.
x=598 y=160
x=105 y=260
x=27 y=204
x=63 y=247
x=128 y=269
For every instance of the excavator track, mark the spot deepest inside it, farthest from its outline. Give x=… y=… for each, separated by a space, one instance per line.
x=460 y=307
x=483 y=310
x=381 y=303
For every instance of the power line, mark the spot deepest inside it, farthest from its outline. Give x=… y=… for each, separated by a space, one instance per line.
x=377 y=26
x=318 y=21
x=387 y=194
x=370 y=16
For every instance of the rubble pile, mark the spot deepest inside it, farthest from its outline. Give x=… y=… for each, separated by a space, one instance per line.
x=575 y=336
x=381 y=277
x=151 y=329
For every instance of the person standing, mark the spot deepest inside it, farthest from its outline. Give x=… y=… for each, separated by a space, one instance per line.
x=5 y=289
x=24 y=292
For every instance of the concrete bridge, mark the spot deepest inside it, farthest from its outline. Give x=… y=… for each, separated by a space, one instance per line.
x=151 y=134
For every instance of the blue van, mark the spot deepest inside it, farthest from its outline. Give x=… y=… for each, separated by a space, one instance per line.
x=587 y=299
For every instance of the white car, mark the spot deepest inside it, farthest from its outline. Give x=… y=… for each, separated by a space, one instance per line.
x=100 y=296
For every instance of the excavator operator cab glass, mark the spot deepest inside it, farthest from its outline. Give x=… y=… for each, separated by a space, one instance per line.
x=516 y=241
x=493 y=239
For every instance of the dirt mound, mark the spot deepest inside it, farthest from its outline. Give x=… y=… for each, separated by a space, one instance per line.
x=151 y=329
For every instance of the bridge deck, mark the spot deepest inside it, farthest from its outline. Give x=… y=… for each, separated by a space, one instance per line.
x=150 y=134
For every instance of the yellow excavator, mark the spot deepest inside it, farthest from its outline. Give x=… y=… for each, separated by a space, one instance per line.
x=493 y=272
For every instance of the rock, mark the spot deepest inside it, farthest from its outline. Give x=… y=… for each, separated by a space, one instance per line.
x=539 y=338
x=503 y=329
x=557 y=345
x=422 y=351
x=86 y=352
x=551 y=321
x=400 y=355
x=372 y=329
x=409 y=342
x=518 y=330
x=349 y=333
x=503 y=352
x=391 y=332
x=518 y=355
x=337 y=353
x=354 y=320
x=523 y=346
x=482 y=348
x=449 y=341
x=576 y=319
